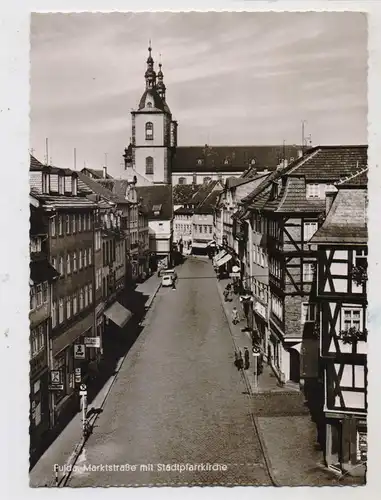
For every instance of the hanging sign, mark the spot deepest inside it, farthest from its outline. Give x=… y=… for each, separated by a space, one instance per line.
x=78 y=375
x=92 y=342
x=79 y=351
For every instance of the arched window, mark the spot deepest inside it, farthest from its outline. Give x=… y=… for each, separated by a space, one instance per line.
x=149 y=165
x=207 y=179
x=149 y=104
x=149 y=131
x=182 y=180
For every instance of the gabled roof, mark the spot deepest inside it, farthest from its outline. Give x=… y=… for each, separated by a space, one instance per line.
x=98 y=188
x=97 y=173
x=158 y=104
x=118 y=187
x=204 y=191
x=37 y=166
x=184 y=211
x=209 y=203
x=183 y=192
x=360 y=178
x=238 y=158
x=64 y=201
x=160 y=194
x=346 y=220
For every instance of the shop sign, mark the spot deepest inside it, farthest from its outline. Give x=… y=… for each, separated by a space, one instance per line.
x=235 y=275
x=56 y=387
x=78 y=375
x=260 y=309
x=79 y=351
x=93 y=342
x=55 y=377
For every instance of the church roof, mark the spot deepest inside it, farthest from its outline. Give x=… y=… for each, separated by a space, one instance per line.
x=229 y=158
x=151 y=95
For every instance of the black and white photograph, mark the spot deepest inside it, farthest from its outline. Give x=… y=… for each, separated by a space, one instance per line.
x=198 y=195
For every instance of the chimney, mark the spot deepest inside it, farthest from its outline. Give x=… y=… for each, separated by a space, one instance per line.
x=104 y=172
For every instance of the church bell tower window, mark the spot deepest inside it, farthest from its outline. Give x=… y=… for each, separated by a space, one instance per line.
x=149 y=131
x=149 y=165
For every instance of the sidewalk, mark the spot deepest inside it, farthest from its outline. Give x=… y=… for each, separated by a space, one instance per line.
x=62 y=451
x=284 y=424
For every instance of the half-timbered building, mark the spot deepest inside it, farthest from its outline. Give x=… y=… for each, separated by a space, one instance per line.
x=284 y=213
x=341 y=244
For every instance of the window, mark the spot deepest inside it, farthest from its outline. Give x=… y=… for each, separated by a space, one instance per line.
x=206 y=180
x=149 y=104
x=74 y=185
x=74 y=262
x=89 y=256
x=90 y=293
x=351 y=317
x=97 y=240
x=73 y=224
x=85 y=258
x=37 y=340
x=308 y=313
x=149 y=165
x=60 y=311
x=61 y=266
x=32 y=295
x=53 y=227
x=54 y=263
x=89 y=222
x=68 y=224
x=68 y=264
x=361 y=258
x=276 y=305
x=194 y=179
x=182 y=180
x=149 y=131
x=39 y=295
x=310 y=229
x=45 y=183
x=61 y=181
x=79 y=223
x=210 y=229
x=313 y=191
x=68 y=308
x=80 y=260
x=84 y=222
x=75 y=304
x=60 y=225
x=308 y=271
x=44 y=292
x=54 y=314
x=86 y=296
x=81 y=299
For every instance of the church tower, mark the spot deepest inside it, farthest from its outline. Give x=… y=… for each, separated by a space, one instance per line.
x=154 y=133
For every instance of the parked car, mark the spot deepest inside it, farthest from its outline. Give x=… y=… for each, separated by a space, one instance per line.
x=167 y=280
x=169 y=272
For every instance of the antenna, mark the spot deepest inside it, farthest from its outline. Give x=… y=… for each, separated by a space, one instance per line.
x=304 y=141
x=47 y=151
x=75 y=158
x=284 y=152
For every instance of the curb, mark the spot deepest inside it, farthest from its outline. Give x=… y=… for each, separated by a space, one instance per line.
x=248 y=387
x=79 y=446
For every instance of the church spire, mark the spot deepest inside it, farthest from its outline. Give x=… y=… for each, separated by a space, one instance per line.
x=150 y=74
x=160 y=84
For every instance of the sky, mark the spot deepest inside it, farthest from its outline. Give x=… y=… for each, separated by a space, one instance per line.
x=232 y=79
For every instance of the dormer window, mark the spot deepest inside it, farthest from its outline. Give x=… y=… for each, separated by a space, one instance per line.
x=200 y=162
x=252 y=161
x=149 y=131
x=45 y=183
x=61 y=184
x=149 y=104
x=74 y=186
x=275 y=190
x=227 y=161
x=156 y=209
x=313 y=191
x=182 y=180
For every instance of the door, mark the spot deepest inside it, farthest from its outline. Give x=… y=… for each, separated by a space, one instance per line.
x=294 y=365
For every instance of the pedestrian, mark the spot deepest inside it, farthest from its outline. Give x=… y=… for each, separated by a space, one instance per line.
x=235 y=317
x=238 y=361
x=247 y=358
x=173 y=284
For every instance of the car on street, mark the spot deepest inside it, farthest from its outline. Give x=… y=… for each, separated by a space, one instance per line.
x=167 y=280
x=169 y=272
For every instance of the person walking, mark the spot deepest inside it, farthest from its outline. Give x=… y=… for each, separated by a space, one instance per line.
x=247 y=358
x=238 y=361
x=173 y=284
x=235 y=317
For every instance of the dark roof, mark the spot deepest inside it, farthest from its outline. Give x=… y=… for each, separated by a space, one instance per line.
x=118 y=187
x=97 y=173
x=42 y=270
x=64 y=201
x=184 y=211
x=321 y=164
x=160 y=194
x=358 y=179
x=37 y=166
x=183 y=192
x=213 y=158
x=203 y=191
x=346 y=220
x=158 y=103
x=97 y=187
x=209 y=204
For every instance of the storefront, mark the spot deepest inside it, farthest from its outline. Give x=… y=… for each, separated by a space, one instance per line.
x=260 y=325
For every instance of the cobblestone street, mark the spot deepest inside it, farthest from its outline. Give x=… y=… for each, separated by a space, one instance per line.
x=178 y=398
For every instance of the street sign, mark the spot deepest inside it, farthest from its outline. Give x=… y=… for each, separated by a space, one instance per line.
x=93 y=342
x=235 y=275
x=256 y=350
x=82 y=390
x=235 y=269
x=55 y=387
x=55 y=377
x=78 y=375
x=79 y=351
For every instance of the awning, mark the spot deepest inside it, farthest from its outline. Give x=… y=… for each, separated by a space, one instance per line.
x=224 y=260
x=118 y=314
x=219 y=255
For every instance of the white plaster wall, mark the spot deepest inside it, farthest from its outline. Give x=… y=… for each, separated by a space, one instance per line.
x=158 y=155
x=140 y=129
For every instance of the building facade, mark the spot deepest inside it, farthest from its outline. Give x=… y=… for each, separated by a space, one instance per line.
x=341 y=249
